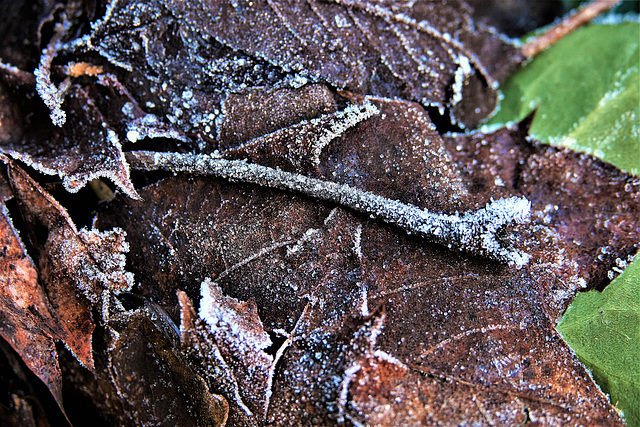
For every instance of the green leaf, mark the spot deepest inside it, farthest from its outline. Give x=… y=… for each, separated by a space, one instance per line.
x=604 y=330
x=587 y=91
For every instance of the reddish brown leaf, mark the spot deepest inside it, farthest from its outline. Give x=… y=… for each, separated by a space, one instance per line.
x=346 y=319
x=479 y=333
x=75 y=265
x=225 y=356
x=26 y=320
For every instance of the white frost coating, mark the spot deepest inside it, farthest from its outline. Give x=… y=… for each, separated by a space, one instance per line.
x=10 y=68
x=109 y=267
x=462 y=72
x=342 y=120
x=470 y=231
x=383 y=355
x=217 y=316
x=349 y=375
x=150 y=126
x=50 y=94
x=422 y=26
x=262 y=252
x=74 y=181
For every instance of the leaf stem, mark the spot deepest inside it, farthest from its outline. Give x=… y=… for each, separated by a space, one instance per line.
x=566 y=26
x=473 y=232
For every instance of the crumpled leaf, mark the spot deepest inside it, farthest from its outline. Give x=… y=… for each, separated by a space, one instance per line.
x=75 y=268
x=85 y=148
x=354 y=310
x=27 y=321
x=141 y=377
x=604 y=330
x=590 y=103
x=227 y=337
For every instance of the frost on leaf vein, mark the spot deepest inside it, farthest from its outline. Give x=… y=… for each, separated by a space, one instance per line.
x=473 y=232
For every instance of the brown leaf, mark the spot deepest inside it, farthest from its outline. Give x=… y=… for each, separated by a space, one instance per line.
x=165 y=391
x=27 y=322
x=457 y=328
x=227 y=341
x=427 y=53
x=346 y=319
x=76 y=266
x=85 y=148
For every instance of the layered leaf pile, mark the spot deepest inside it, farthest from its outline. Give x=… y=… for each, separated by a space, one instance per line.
x=295 y=236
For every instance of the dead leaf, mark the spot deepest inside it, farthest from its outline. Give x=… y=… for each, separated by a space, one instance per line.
x=85 y=148
x=311 y=311
x=75 y=266
x=426 y=53
x=27 y=323
x=469 y=327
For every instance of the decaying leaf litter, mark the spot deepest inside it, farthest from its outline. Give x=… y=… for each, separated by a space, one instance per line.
x=253 y=305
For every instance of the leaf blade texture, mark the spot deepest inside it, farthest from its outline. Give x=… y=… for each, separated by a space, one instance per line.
x=602 y=328
x=304 y=165
x=589 y=103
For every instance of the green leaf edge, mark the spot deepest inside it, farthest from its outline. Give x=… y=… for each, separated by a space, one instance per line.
x=598 y=93
x=603 y=328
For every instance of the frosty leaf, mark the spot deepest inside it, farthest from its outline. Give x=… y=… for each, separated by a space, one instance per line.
x=469 y=231
x=76 y=266
x=85 y=148
x=604 y=330
x=589 y=103
x=301 y=146
x=428 y=54
x=346 y=319
x=228 y=336
x=26 y=319
x=133 y=391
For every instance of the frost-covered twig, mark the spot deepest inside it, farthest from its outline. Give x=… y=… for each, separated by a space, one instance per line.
x=473 y=232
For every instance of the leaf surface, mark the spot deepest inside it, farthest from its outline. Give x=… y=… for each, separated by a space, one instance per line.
x=85 y=148
x=335 y=256
x=317 y=272
x=589 y=103
x=75 y=267
x=28 y=323
x=604 y=330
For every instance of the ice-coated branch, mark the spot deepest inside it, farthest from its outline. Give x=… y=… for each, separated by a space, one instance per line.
x=474 y=232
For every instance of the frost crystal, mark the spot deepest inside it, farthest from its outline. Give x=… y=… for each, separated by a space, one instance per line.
x=50 y=94
x=474 y=232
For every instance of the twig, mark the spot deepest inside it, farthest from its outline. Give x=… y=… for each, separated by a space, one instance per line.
x=473 y=232
x=569 y=24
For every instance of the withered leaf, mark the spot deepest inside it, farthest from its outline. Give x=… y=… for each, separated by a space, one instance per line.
x=141 y=377
x=227 y=342
x=74 y=266
x=308 y=310
x=85 y=148
x=27 y=322
x=186 y=61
